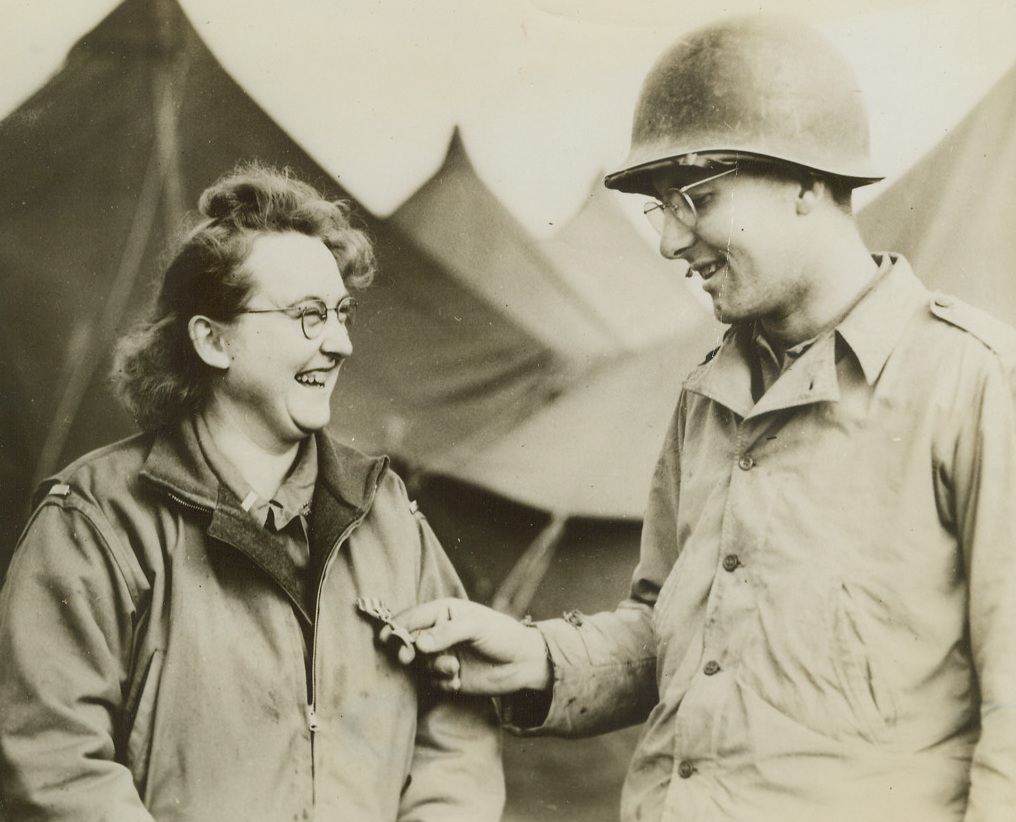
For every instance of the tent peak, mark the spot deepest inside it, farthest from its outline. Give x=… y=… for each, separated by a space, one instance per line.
x=137 y=27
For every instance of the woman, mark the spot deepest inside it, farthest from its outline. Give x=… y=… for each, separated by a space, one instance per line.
x=179 y=626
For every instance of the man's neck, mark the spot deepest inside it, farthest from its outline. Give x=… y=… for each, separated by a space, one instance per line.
x=846 y=275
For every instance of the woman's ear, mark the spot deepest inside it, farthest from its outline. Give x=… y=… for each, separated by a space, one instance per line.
x=206 y=337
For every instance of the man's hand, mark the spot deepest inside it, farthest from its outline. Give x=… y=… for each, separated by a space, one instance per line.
x=470 y=648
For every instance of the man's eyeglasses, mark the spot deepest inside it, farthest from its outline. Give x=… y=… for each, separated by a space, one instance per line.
x=312 y=314
x=678 y=203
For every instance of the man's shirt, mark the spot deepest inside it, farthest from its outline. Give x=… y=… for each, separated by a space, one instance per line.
x=821 y=622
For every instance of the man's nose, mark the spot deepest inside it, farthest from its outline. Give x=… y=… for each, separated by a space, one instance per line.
x=676 y=237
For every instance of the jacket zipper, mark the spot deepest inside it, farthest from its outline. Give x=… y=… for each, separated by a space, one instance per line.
x=313 y=723
x=188 y=504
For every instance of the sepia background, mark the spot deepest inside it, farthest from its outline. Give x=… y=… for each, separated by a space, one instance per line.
x=522 y=349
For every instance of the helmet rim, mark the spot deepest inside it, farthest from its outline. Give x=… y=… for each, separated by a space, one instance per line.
x=764 y=85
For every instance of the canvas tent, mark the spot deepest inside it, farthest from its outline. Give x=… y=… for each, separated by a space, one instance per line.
x=594 y=289
x=460 y=223
x=100 y=163
x=952 y=214
x=590 y=451
x=605 y=301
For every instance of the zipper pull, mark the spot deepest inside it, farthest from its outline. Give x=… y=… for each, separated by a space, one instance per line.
x=312 y=720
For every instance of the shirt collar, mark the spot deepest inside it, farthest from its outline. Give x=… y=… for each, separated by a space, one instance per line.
x=293 y=497
x=877 y=322
x=870 y=329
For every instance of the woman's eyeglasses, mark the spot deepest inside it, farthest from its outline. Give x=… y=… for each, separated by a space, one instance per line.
x=313 y=314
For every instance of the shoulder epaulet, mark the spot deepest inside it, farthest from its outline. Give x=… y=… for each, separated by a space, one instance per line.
x=992 y=332
x=51 y=487
x=710 y=355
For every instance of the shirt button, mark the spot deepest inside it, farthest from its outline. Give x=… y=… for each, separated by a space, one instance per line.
x=746 y=463
x=731 y=562
x=685 y=769
x=711 y=667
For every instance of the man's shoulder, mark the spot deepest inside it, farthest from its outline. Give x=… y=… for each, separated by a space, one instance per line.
x=728 y=334
x=991 y=332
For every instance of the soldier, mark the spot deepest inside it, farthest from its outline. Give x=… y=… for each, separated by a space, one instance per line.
x=820 y=626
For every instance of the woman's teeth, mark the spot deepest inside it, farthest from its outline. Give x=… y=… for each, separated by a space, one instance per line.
x=315 y=379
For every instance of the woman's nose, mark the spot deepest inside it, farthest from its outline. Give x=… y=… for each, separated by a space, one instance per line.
x=335 y=338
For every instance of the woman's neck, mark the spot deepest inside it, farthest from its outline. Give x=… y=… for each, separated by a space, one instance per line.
x=264 y=469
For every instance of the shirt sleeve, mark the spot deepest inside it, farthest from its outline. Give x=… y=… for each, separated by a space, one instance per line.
x=984 y=479
x=65 y=636
x=456 y=773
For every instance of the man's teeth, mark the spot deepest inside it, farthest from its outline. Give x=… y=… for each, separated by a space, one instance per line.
x=707 y=271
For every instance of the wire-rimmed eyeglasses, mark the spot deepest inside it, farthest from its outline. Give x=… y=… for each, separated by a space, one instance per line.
x=313 y=314
x=678 y=203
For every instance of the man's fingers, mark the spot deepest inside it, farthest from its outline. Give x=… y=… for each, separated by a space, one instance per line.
x=444 y=635
x=440 y=624
x=406 y=653
x=445 y=664
x=429 y=613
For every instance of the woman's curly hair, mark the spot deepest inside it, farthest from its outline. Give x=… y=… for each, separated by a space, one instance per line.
x=158 y=374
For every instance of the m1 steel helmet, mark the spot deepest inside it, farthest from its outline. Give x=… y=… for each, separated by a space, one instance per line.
x=763 y=86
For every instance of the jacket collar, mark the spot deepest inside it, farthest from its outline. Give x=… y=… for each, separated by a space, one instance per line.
x=343 y=494
x=177 y=464
x=870 y=331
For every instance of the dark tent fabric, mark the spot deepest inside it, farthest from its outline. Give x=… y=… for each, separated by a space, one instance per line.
x=590 y=451
x=595 y=288
x=596 y=443
x=597 y=294
x=456 y=218
x=99 y=166
x=953 y=213
x=639 y=295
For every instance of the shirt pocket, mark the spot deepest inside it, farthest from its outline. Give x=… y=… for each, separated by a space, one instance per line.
x=860 y=667
x=814 y=656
